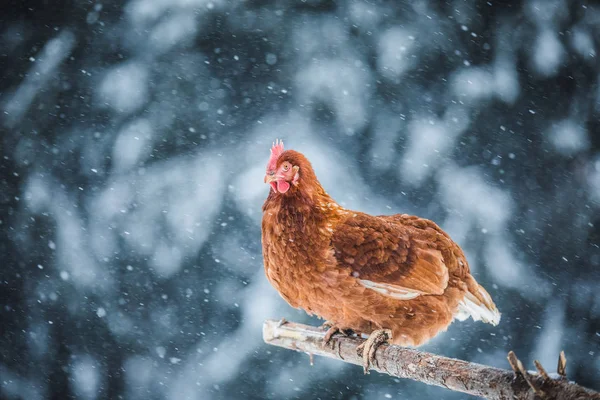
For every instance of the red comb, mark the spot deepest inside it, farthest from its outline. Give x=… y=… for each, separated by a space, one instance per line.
x=276 y=151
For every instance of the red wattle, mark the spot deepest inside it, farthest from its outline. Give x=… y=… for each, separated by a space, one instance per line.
x=283 y=186
x=273 y=186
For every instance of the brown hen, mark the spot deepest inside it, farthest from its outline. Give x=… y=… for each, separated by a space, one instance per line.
x=398 y=277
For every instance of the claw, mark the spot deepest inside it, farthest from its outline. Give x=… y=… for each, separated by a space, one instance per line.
x=369 y=347
x=330 y=332
x=332 y=329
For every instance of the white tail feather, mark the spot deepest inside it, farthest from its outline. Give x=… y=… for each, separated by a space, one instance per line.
x=471 y=306
x=461 y=314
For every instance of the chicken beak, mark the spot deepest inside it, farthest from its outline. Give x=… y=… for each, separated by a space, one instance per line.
x=270 y=178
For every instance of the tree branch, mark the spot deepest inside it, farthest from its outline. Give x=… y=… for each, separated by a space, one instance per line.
x=457 y=375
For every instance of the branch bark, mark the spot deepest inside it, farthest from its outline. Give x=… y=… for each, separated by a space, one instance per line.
x=457 y=375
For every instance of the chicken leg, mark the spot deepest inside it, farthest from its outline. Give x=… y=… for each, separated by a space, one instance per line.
x=368 y=348
x=332 y=329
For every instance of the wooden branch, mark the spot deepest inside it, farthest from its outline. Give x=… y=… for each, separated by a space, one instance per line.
x=457 y=375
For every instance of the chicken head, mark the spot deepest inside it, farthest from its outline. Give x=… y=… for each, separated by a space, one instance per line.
x=280 y=175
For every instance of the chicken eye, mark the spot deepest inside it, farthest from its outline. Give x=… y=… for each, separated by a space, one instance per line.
x=286 y=167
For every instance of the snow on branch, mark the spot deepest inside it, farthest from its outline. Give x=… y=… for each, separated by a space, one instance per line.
x=453 y=374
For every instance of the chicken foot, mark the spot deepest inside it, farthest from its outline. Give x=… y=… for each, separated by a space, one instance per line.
x=332 y=329
x=368 y=348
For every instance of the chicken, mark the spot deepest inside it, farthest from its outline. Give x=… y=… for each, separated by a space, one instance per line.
x=399 y=278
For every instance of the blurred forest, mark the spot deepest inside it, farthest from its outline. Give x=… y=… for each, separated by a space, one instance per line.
x=135 y=135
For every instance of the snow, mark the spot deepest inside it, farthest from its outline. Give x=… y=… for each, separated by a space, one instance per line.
x=365 y=15
x=69 y=244
x=342 y=87
x=474 y=204
x=467 y=194
x=86 y=377
x=473 y=83
x=550 y=338
x=583 y=43
x=134 y=150
x=548 y=53
x=178 y=28
x=124 y=87
x=506 y=81
x=387 y=128
x=133 y=144
x=396 y=52
x=54 y=52
x=186 y=195
x=138 y=377
x=13 y=386
x=544 y=12
x=568 y=138
x=593 y=178
x=430 y=141
x=271 y=59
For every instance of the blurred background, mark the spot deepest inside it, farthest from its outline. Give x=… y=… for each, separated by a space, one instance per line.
x=135 y=136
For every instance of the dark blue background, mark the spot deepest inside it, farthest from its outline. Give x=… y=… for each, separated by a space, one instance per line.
x=134 y=141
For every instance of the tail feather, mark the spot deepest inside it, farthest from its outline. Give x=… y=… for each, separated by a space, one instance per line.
x=478 y=305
